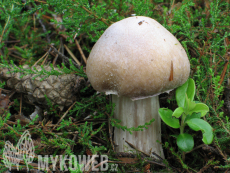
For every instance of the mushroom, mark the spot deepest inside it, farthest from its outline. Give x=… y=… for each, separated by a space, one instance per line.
x=135 y=60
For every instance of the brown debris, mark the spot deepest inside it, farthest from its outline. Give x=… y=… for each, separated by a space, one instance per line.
x=4 y=102
x=147 y=168
x=23 y=119
x=127 y=160
x=227 y=99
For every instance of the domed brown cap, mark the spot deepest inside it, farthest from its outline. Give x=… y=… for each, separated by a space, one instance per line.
x=137 y=57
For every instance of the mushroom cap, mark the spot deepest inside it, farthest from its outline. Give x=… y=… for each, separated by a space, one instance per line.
x=135 y=57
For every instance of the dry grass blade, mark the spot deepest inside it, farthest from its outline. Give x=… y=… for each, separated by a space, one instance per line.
x=66 y=59
x=46 y=54
x=64 y=115
x=72 y=55
x=80 y=50
x=131 y=145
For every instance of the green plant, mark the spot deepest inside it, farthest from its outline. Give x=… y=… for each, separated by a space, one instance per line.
x=190 y=113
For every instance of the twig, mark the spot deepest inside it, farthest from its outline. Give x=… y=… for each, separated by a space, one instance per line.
x=64 y=115
x=110 y=134
x=210 y=149
x=206 y=166
x=91 y=160
x=98 y=165
x=66 y=59
x=132 y=146
x=56 y=57
x=59 y=134
x=20 y=109
x=146 y=159
x=6 y=125
x=12 y=41
x=90 y=12
x=42 y=25
x=227 y=170
x=43 y=62
x=12 y=93
x=157 y=155
x=72 y=55
x=44 y=29
x=149 y=161
x=7 y=21
x=80 y=50
x=221 y=153
x=227 y=91
x=131 y=155
x=161 y=160
x=224 y=125
x=196 y=148
x=41 y=58
x=224 y=70
x=15 y=56
x=74 y=138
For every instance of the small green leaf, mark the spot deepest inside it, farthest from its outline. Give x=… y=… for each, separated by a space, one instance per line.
x=189 y=105
x=200 y=107
x=186 y=104
x=166 y=116
x=191 y=89
x=185 y=142
x=199 y=124
x=194 y=115
x=178 y=112
x=181 y=93
x=188 y=88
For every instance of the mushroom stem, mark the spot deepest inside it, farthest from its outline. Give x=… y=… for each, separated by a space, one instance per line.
x=135 y=113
